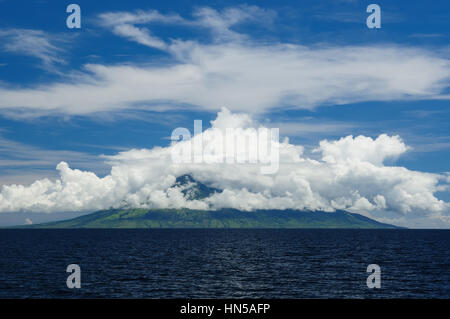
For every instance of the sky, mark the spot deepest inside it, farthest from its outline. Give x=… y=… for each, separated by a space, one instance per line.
x=86 y=114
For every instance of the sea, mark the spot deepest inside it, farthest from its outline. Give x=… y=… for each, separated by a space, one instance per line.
x=224 y=263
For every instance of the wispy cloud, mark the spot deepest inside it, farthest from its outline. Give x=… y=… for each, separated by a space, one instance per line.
x=303 y=128
x=124 y=24
x=244 y=75
x=35 y=43
x=22 y=163
x=427 y=35
x=220 y=23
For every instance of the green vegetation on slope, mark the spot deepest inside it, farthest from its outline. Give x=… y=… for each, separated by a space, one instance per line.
x=225 y=218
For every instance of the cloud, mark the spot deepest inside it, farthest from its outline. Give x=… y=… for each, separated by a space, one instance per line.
x=233 y=70
x=305 y=127
x=219 y=23
x=123 y=24
x=351 y=174
x=35 y=43
x=362 y=149
x=22 y=163
x=427 y=35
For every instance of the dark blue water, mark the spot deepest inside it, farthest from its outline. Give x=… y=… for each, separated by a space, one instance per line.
x=225 y=263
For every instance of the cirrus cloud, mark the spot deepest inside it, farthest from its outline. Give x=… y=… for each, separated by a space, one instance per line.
x=34 y=43
x=233 y=70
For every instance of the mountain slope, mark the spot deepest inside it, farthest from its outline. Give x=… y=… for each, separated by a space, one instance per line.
x=193 y=189
x=225 y=218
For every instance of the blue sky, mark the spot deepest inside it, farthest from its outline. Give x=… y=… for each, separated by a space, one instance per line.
x=34 y=139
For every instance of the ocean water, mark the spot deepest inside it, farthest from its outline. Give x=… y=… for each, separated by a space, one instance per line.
x=225 y=263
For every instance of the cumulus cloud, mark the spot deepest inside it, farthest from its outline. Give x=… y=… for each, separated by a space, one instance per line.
x=351 y=174
x=235 y=71
x=363 y=149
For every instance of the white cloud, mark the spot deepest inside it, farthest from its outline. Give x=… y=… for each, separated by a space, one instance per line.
x=35 y=43
x=218 y=23
x=362 y=149
x=313 y=127
x=234 y=71
x=123 y=24
x=221 y=23
x=22 y=163
x=350 y=175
